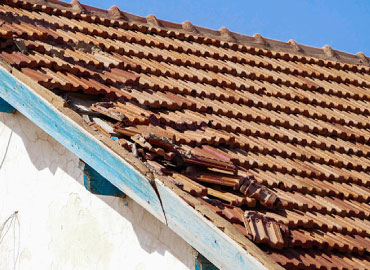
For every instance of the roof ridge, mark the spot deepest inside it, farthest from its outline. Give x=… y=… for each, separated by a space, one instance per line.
x=222 y=35
x=225 y=119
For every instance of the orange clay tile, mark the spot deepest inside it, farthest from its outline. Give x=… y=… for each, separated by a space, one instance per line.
x=279 y=130
x=265 y=230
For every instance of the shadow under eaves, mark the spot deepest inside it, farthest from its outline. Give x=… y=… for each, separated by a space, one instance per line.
x=47 y=156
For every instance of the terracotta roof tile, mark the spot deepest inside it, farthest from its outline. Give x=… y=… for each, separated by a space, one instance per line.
x=265 y=230
x=242 y=123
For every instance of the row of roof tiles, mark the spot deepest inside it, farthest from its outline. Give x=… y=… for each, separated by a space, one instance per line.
x=115 y=17
x=276 y=143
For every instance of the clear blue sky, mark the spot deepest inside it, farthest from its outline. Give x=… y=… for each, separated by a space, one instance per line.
x=342 y=24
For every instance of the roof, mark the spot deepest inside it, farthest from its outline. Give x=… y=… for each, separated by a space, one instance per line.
x=274 y=137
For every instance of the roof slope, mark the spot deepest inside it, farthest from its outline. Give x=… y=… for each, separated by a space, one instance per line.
x=274 y=137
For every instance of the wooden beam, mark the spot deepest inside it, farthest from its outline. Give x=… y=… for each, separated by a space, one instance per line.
x=84 y=145
x=5 y=107
x=199 y=232
x=97 y=184
x=205 y=237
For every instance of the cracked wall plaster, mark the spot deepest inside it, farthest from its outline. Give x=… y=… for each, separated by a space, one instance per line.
x=63 y=226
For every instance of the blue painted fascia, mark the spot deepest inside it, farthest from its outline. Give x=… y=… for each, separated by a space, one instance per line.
x=97 y=184
x=5 y=107
x=77 y=140
x=204 y=236
x=165 y=205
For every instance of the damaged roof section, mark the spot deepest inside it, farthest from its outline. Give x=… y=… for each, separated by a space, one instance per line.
x=266 y=230
x=275 y=142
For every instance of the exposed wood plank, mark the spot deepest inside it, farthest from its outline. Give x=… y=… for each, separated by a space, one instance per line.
x=206 y=238
x=80 y=142
x=5 y=107
x=216 y=246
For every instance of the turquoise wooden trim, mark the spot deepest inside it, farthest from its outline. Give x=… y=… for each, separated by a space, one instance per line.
x=182 y=219
x=5 y=107
x=204 y=236
x=107 y=163
x=97 y=184
x=201 y=263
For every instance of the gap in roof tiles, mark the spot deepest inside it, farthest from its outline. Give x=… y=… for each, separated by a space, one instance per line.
x=278 y=144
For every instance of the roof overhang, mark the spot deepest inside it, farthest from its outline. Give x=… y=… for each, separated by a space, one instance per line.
x=48 y=111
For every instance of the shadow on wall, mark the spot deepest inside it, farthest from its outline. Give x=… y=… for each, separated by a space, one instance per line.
x=47 y=154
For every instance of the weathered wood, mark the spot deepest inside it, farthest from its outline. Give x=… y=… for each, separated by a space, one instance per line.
x=97 y=184
x=205 y=237
x=215 y=245
x=107 y=163
x=5 y=107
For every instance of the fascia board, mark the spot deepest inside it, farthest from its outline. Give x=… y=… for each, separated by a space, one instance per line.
x=80 y=142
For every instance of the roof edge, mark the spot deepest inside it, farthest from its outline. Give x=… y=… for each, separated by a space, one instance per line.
x=223 y=35
x=48 y=111
x=225 y=242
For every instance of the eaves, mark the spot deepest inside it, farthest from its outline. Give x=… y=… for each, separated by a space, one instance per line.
x=199 y=227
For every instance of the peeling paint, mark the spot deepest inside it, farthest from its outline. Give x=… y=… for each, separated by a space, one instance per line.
x=62 y=225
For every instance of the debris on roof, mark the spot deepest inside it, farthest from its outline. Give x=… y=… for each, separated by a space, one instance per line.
x=274 y=137
x=265 y=230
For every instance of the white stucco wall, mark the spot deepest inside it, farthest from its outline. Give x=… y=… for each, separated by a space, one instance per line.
x=59 y=224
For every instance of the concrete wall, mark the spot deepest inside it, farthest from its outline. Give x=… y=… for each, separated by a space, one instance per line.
x=49 y=221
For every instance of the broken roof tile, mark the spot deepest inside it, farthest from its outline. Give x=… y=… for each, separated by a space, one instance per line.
x=265 y=230
x=242 y=123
